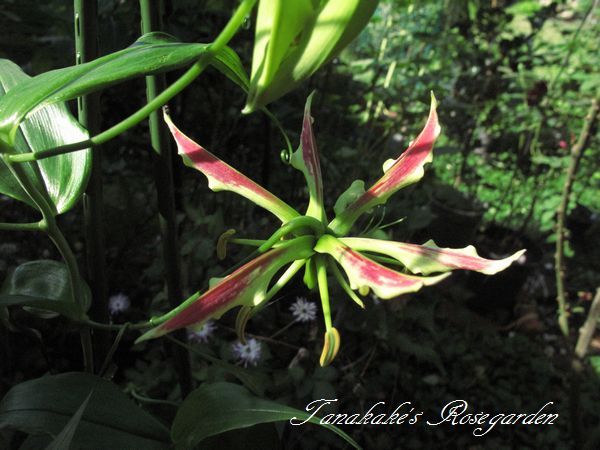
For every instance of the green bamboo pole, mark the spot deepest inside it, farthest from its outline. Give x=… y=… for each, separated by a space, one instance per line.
x=163 y=178
x=86 y=48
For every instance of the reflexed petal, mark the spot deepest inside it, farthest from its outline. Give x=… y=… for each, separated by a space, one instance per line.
x=306 y=159
x=246 y=286
x=223 y=177
x=429 y=258
x=363 y=272
x=405 y=170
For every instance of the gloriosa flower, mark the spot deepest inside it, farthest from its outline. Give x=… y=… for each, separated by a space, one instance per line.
x=320 y=246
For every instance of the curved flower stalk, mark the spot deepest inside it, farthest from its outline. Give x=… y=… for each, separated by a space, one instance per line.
x=321 y=247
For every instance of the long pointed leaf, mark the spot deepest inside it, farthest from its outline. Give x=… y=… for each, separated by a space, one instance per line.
x=111 y=420
x=219 y=407
x=64 y=439
x=151 y=54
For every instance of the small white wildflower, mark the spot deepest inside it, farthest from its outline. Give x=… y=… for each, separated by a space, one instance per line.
x=303 y=310
x=202 y=333
x=248 y=353
x=118 y=303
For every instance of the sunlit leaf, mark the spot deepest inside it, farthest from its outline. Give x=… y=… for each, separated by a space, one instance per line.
x=60 y=180
x=42 y=286
x=151 y=54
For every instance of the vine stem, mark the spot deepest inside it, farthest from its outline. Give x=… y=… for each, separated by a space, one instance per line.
x=576 y=155
x=234 y=24
x=35 y=226
x=49 y=225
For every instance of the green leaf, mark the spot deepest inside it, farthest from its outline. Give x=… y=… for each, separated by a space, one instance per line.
x=595 y=363
x=151 y=54
x=64 y=439
x=350 y=195
x=44 y=307
x=262 y=436
x=111 y=420
x=43 y=286
x=219 y=407
x=60 y=180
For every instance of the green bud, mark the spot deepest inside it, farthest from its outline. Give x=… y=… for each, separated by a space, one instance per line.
x=331 y=346
x=295 y=38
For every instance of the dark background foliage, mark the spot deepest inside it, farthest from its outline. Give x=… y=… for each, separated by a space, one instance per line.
x=514 y=80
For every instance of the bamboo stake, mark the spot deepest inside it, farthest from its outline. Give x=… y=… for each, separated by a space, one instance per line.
x=163 y=179
x=86 y=48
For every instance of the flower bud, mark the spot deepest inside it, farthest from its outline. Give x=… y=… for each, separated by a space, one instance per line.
x=294 y=39
x=331 y=346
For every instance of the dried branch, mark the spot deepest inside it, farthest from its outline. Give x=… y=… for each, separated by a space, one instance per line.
x=576 y=155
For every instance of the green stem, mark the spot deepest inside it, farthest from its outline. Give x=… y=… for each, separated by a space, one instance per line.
x=344 y=284
x=115 y=326
x=294 y=225
x=86 y=46
x=284 y=279
x=35 y=226
x=275 y=120
x=247 y=312
x=283 y=329
x=190 y=75
x=51 y=228
x=153 y=401
x=112 y=350
x=324 y=290
x=163 y=181
x=248 y=242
